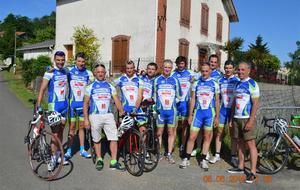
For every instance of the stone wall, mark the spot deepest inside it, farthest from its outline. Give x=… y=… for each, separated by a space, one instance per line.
x=277 y=100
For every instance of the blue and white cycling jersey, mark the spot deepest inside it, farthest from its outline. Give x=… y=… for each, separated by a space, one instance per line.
x=57 y=90
x=216 y=75
x=185 y=79
x=78 y=81
x=100 y=93
x=227 y=88
x=246 y=90
x=147 y=87
x=129 y=90
x=206 y=91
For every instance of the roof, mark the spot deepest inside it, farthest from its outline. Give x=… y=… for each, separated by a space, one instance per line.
x=41 y=45
x=231 y=11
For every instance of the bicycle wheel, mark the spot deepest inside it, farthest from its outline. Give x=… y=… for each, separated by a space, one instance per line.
x=152 y=151
x=272 y=155
x=43 y=161
x=133 y=152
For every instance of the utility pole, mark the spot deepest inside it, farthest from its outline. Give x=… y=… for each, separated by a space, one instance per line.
x=15 y=52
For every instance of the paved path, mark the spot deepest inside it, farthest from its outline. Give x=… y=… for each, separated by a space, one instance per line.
x=16 y=175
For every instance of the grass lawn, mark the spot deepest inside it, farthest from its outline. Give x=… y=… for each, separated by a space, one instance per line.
x=17 y=86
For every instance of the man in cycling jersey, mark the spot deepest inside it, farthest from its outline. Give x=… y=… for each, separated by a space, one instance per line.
x=98 y=114
x=245 y=105
x=214 y=65
x=227 y=86
x=131 y=87
x=185 y=78
x=148 y=80
x=203 y=113
x=79 y=77
x=167 y=93
x=56 y=81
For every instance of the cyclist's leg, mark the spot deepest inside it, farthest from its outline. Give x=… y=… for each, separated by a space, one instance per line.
x=71 y=134
x=160 y=124
x=111 y=133
x=238 y=134
x=183 y=125
x=171 y=123
x=194 y=131
x=96 y=130
x=208 y=131
x=224 y=115
x=249 y=138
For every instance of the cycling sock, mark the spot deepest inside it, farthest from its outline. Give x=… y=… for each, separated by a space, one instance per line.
x=203 y=157
x=113 y=162
x=217 y=154
x=69 y=151
x=99 y=158
x=81 y=148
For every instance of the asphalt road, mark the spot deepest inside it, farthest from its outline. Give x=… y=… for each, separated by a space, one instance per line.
x=15 y=172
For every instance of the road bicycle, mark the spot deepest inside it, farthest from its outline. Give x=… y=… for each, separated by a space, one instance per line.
x=275 y=147
x=44 y=162
x=131 y=145
x=150 y=139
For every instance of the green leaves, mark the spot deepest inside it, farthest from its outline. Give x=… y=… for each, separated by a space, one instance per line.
x=87 y=42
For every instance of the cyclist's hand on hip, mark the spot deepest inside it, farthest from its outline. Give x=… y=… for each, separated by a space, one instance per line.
x=216 y=122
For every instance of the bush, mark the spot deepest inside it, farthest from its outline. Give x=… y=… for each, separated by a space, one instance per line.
x=34 y=67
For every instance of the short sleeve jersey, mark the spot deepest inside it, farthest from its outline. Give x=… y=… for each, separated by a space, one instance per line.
x=227 y=88
x=78 y=81
x=166 y=92
x=216 y=75
x=129 y=89
x=100 y=93
x=147 y=87
x=245 y=91
x=57 y=86
x=206 y=90
x=185 y=79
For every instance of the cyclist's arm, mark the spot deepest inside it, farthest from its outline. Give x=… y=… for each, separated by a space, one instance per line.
x=191 y=106
x=118 y=104
x=43 y=87
x=86 y=104
x=253 y=110
x=217 y=105
x=139 y=98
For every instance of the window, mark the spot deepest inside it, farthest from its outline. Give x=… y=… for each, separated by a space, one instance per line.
x=183 y=48
x=185 y=13
x=120 y=53
x=69 y=48
x=219 y=27
x=204 y=19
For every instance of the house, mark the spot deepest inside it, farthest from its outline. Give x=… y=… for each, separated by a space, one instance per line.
x=148 y=30
x=34 y=50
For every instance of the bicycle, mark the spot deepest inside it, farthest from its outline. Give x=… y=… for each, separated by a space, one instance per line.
x=131 y=145
x=150 y=139
x=275 y=147
x=42 y=159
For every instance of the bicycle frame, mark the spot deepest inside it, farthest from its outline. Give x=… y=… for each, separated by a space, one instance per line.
x=290 y=140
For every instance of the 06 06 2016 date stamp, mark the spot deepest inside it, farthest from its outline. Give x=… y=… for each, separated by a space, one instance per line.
x=234 y=179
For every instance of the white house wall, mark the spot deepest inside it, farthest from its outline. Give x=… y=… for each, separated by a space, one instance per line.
x=33 y=54
x=109 y=18
x=174 y=31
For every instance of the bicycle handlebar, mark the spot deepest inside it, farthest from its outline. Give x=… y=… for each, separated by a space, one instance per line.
x=265 y=121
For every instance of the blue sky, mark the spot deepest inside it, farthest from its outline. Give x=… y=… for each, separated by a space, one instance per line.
x=277 y=21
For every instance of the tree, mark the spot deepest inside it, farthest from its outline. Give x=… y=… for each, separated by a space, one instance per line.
x=86 y=42
x=294 y=65
x=233 y=47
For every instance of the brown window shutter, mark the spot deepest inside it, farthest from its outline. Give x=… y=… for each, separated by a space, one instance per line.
x=185 y=13
x=204 y=19
x=183 y=49
x=219 y=27
x=120 y=53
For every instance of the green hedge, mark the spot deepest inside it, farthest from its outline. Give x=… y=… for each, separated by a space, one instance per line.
x=34 y=67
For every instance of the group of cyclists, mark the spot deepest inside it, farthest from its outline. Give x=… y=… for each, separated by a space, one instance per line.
x=206 y=101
